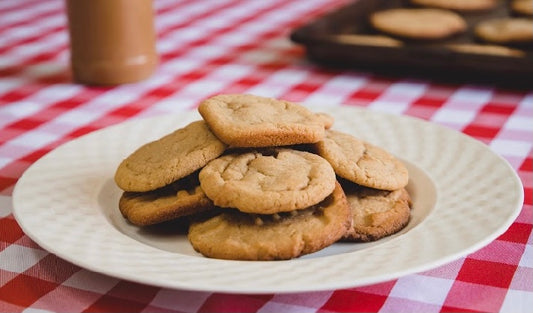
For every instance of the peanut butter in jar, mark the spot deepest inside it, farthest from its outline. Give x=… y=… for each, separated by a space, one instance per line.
x=111 y=41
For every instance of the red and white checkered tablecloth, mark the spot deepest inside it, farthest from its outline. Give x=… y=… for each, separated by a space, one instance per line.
x=230 y=46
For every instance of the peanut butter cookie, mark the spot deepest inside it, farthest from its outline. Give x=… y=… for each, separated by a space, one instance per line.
x=240 y=236
x=174 y=156
x=254 y=121
x=368 y=40
x=181 y=198
x=269 y=181
x=376 y=213
x=362 y=162
x=522 y=7
x=458 y=5
x=486 y=49
x=506 y=30
x=423 y=24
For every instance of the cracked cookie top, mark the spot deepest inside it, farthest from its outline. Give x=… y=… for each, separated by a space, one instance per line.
x=174 y=156
x=361 y=162
x=254 y=121
x=375 y=213
x=242 y=236
x=269 y=181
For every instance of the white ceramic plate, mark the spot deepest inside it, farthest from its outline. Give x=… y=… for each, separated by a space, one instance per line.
x=464 y=197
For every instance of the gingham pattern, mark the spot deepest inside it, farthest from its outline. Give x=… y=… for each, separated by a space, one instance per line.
x=230 y=46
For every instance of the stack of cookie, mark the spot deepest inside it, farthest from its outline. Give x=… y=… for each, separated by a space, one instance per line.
x=264 y=179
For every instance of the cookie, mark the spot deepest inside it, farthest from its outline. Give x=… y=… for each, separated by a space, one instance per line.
x=174 y=156
x=522 y=7
x=376 y=213
x=505 y=30
x=458 y=5
x=486 y=49
x=182 y=198
x=269 y=181
x=368 y=40
x=240 y=236
x=254 y=121
x=421 y=24
x=362 y=162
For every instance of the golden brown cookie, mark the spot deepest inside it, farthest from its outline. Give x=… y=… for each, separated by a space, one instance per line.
x=458 y=5
x=181 y=198
x=522 y=7
x=368 y=40
x=240 y=236
x=376 y=213
x=269 y=181
x=506 y=30
x=254 y=121
x=422 y=24
x=486 y=49
x=362 y=162
x=174 y=156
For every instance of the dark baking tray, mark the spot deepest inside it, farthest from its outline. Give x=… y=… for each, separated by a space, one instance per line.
x=427 y=58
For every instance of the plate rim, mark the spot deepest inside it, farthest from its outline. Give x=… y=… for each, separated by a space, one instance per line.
x=288 y=288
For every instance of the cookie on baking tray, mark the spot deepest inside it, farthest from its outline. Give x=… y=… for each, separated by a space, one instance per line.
x=458 y=5
x=486 y=49
x=240 y=236
x=254 y=121
x=506 y=30
x=368 y=40
x=522 y=7
x=376 y=213
x=268 y=181
x=181 y=198
x=419 y=24
x=362 y=162
x=174 y=156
